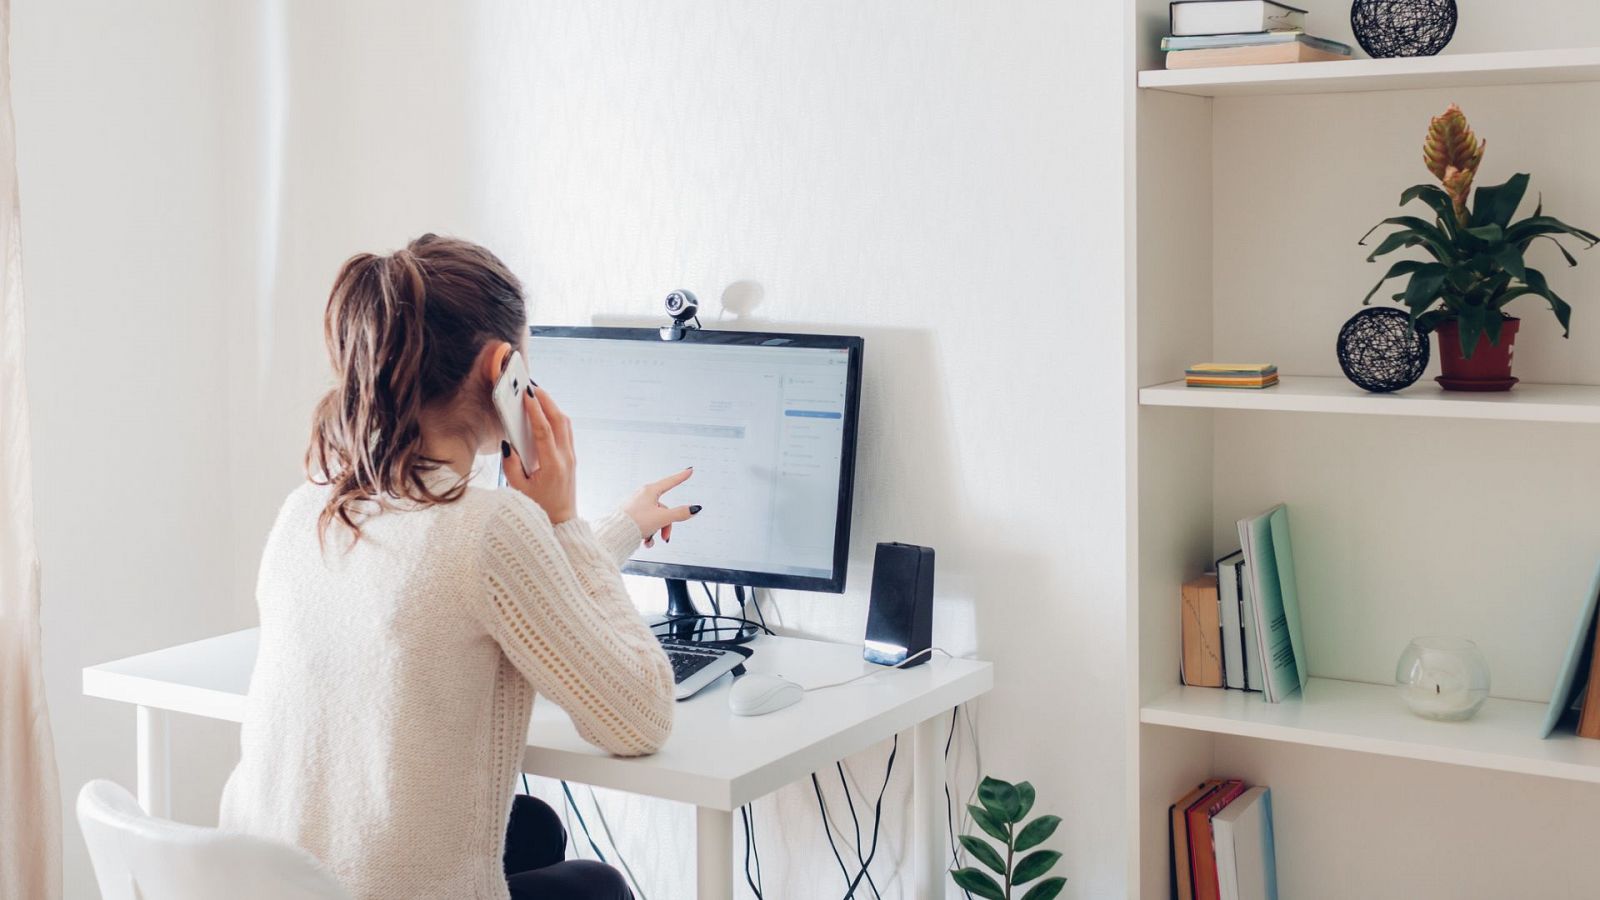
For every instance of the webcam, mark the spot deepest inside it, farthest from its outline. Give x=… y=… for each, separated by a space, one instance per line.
x=682 y=307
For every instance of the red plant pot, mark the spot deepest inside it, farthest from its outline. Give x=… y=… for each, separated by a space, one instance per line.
x=1489 y=369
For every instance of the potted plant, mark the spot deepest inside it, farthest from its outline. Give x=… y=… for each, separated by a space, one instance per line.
x=1004 y=807
x=1474 y=262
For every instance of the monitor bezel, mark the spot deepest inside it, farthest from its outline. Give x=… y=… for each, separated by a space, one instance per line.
x=835 y=582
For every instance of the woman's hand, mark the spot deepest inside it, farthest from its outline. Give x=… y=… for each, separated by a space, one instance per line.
x=554 y=484
x=651 y=515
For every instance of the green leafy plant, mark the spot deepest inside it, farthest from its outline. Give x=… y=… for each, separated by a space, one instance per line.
x=1004 y=806
x=1476 y=259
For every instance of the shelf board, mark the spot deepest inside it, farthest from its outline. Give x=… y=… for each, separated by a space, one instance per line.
x=1403 y=74
x=1326 y=394
x=1370 y=718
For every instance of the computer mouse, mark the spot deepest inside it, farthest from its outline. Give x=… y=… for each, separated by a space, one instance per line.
x=757 y=694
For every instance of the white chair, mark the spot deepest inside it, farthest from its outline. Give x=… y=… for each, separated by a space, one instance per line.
x=139 y=857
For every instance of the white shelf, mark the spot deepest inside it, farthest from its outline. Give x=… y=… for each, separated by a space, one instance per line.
x=1448 y=71
x=1370 y=718
x=1325 y=394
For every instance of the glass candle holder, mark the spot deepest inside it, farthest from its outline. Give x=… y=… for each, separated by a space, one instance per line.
x=1443 y=678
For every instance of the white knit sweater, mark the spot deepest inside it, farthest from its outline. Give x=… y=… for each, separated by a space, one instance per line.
x=389 y=707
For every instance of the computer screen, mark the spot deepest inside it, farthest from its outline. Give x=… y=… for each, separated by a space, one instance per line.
x=768 y=421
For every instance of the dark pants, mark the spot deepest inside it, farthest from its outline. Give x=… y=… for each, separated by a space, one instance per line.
x=536 y=863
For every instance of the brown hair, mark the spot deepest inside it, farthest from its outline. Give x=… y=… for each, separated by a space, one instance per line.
x=403 y=331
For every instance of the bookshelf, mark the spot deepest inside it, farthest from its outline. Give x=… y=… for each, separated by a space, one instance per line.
x=1369 y=718
x=1422 y=512
x=1453 y=71
x=1333 y=394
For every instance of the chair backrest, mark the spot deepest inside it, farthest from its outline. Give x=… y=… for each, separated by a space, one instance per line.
x=138 y=857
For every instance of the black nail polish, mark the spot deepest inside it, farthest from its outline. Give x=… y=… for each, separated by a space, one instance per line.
x=530 y=390
x=695 y=510
x=505 y=449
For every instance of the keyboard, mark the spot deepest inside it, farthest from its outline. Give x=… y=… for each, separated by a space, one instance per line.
x=694 y=666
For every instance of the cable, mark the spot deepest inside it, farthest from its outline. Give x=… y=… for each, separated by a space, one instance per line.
x=617 y=851
x=827 y=830
x=748 y=814
x=949 y=807
x=877 y=818
x=856 y=823
x=581 y=823
x=899 y=665
x=715 y=599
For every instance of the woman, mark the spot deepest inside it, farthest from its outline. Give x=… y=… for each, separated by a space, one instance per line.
x=407 y=620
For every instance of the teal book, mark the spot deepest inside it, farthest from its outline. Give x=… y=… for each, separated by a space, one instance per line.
x=1575 y=669
x=1270 y=573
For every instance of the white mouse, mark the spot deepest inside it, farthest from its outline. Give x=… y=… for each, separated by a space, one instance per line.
x=756 y=694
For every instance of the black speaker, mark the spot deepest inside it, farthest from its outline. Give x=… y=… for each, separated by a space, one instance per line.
x=900 y=615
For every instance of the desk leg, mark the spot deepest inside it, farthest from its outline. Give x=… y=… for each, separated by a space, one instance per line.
x=154 y=771
x=930 y=850
x=713 y=842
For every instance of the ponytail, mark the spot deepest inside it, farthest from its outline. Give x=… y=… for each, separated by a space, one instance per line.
x=402 y=334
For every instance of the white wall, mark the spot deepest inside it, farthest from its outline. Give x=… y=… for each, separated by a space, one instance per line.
x=117 y=112
x=942 y=177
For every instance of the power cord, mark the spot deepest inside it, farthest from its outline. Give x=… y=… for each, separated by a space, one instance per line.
x=827 y=831
x=567 y=789
x=877 y=819
x=949 y=807
x=748 y=814
x=899 y=665
x=856 y=823
x=617 y=851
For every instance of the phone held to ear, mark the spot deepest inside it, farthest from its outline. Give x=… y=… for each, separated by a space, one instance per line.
x=513 y=385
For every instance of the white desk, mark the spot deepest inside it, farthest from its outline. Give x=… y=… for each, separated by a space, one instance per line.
x=714 y=760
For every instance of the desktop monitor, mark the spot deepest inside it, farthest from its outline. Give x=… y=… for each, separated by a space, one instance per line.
x=768 y=421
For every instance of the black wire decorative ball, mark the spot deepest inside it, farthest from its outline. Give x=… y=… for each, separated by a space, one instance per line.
x=1403 y=27
x=1381 y=351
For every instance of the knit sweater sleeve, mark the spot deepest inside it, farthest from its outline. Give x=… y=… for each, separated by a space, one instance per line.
x=556 y=605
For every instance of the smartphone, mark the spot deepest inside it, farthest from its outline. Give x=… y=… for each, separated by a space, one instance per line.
x=508 y=394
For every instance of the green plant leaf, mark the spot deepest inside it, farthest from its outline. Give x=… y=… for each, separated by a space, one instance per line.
x=1037 y=832
x=1046 y=889
x=1509 y=257
x=1400 y=267
x=991 y=825
x=1430 y=321
x=1437 y=243
x=1423 y=289
x=1437 y=200
x=976 y=881
x=1469 y=322
x=1540 y=287
x=1536 y=225
x=1496 y=204
x=1396 y=241
x=1000 y=798
x=1490 y=234
x=1033 y=865
x=1565 y=254
x=984 y=853
x=1026 y=793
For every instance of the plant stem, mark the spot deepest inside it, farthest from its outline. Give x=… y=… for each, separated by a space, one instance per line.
x=1010 y=850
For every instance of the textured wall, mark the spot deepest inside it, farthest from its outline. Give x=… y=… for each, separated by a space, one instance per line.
x=944 y=178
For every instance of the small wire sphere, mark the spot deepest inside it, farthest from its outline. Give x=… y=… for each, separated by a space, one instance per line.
x=1387 y=28
x=1381 y=351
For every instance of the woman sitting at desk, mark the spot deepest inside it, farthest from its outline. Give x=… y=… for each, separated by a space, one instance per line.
x=407 y=620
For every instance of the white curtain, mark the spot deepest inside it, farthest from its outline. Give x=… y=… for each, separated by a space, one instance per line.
x=30 y=808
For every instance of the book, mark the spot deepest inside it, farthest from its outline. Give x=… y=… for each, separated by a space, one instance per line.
x=1247 y=866
x=1178 y=833
x=1192 y=17
x=1269 y=38
x=1253 y=666
x=1231 y=369
x=1202 y=842
x=1270 y=573
x=1232 y=632
x=1231 y=583
x=1589 y=710
x=1201 y=662
x=1228 y=588
x=1570 y=691
x=1270 y=54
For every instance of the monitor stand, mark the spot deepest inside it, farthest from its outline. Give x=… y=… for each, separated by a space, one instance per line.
x=680 y=605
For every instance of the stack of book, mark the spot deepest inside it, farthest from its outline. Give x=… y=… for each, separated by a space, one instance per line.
x=1222 y=845
x=1231 y=375
x=1576 y=702
x=1241 y=624
x=1242 y=33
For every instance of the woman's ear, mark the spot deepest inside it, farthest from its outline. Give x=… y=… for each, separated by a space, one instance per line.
x=492 y=360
